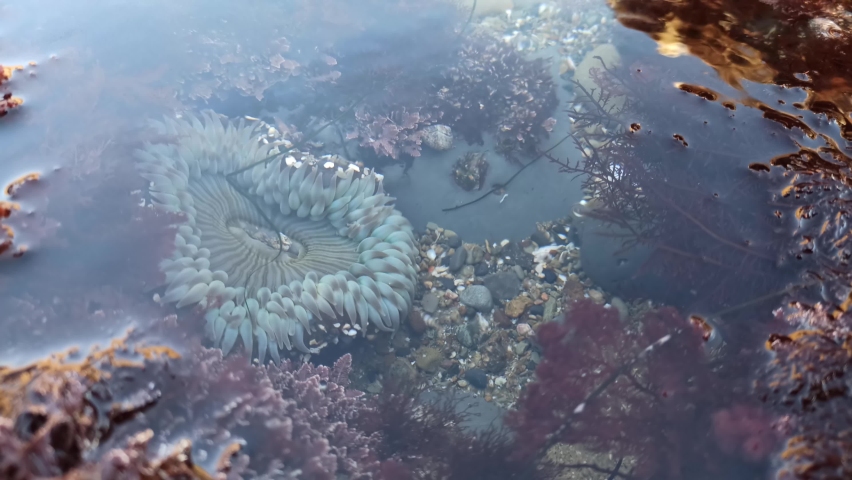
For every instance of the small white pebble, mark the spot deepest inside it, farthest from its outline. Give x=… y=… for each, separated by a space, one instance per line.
x=500 y=381
x=328 y=165
x=431 y=254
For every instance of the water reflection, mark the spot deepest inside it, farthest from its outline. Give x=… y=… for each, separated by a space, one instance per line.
x=616 y=226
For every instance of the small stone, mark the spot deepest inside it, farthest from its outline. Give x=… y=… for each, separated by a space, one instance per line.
x=518 y=271
x=535 y=357
x=541 y=238
x=417 y=323
x=458 y=259
x=446 y=283
x=488 y=397
x=521 y=347
x=596 y=296
x=623 y=311
x=500 y=381
x=549 y=275
x=524 y=329
x=432 y=226
x=502 y=285
x=475 y=253
x=536 y=310
x=401 y=370
x=477 y=297
x=467 y=271
x=453 y=240
x=467 y=337
x=477 y=378
x=573 y=289
x=481 y=269
x=429 y=302
x=462 y=383
x=517 y=306
x=550 y=307
x=428 y=359
x=501 y=319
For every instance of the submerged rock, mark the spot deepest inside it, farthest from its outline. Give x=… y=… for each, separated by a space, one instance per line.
x=477 y=297
x=470 y=170
x=502 y=285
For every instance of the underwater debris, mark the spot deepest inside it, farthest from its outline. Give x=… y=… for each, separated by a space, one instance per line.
x=469 y=171
x=349 y=255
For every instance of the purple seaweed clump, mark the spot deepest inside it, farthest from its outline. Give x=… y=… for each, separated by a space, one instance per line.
x=392 y=134
x=492 y=88
x=639 y=396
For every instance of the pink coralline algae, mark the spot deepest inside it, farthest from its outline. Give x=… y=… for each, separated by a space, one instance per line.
x=393 y=134
x=746 y=432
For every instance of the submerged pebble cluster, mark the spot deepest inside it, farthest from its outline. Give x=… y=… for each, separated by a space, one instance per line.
x=280 y=253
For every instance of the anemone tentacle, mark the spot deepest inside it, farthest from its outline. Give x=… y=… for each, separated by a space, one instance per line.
x=283 y=251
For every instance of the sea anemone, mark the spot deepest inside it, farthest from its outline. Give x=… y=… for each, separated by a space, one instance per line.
x=279 y=252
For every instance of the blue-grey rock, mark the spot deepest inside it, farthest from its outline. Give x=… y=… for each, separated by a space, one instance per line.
x=429 y=303
x=477 y=297
x=458 y=259
x=502 y=285
x=454 y=241
x=477 y=378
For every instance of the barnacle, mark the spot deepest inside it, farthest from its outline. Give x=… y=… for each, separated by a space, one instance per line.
x=279 y=252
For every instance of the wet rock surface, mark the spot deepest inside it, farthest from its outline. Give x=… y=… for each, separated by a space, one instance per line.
x=477 y=297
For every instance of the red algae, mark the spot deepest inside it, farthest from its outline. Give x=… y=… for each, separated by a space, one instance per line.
x=641 y=395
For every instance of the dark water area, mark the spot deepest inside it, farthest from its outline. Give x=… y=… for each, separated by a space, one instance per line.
x=403 y=239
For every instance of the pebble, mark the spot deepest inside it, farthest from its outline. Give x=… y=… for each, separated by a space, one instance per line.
x=428 y=359
x=501 y=319
x=540 y=238
x=417 y=323
x=549 y=275
x=432 y=226
x=477 y=297
x=550 y=308
x=477 y=378
x=524 y=329
x=446 y=283
x=462 y=383
x=475 y=253
x=458 y=259
x=536 y=310
x=429 y=302
x=519 y=272
x=596 y=296
x=516 y=307
x=468 y=335
x=502 y=285
x=453 y=240
x=481 y=269
x=521 y=347
x=623 y=311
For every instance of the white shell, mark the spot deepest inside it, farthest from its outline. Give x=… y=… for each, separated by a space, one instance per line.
x=439 y=137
